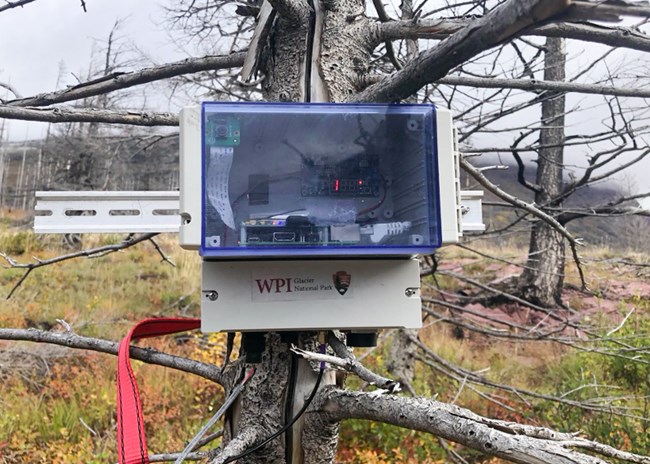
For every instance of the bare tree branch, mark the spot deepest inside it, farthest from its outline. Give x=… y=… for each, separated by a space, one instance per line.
x=499 y=25
x=459 y=374
x=534 y=85
x=511 y=441
x=496 y=291
x=168 y=457
x=384 y=18
x=9 y=5
x=348 y=362
x=209 y=438
x=72 y=340
x=436 y=29
x=571 y=214
x=118 y=81
x=625 y=262
x=589 y=178
x=244 y=440
x=521 y=167
x=489 y=331
x=392 y=30
x=90 y=253
x=529 y=208
x=10 y=88
x=56 y=115
x=624 y=37
x=440 y=29
x=601 y=11
x=163 y=256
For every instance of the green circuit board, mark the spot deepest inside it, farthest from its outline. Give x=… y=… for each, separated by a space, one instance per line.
x=222 y=131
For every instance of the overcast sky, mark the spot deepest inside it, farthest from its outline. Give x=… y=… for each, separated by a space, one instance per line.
x=41 y=38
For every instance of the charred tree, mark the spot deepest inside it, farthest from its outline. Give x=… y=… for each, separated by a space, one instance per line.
x=543 y=278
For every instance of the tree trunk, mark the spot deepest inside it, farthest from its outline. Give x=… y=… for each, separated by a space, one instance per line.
x=282 y=382
x=544 y=277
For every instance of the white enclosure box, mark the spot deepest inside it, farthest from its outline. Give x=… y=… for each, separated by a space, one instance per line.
x=310 y=295
x=317 y=180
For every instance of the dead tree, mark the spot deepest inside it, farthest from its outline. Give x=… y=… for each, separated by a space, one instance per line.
x=543 y=279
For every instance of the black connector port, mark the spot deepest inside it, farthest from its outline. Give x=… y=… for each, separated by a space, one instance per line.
x=284 y=236
x=362 y=339
x=253 y=344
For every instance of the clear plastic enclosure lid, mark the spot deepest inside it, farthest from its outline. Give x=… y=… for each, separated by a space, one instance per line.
x=283 y=179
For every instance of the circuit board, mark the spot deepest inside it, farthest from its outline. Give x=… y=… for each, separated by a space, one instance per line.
x=358 y=176
x=222 y=131
x=294 y=230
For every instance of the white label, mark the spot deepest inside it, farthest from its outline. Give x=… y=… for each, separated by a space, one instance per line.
x=283 y=285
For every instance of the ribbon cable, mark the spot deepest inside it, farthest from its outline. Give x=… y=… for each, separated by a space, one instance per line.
x=131 y=439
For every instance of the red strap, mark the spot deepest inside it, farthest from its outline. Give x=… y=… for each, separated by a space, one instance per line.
x=131 y=439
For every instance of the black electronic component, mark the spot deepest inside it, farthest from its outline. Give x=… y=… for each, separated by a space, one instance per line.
x=358 y=176
x=253 y=344
x=258 y=189
x=362 y=339
x=293 y=230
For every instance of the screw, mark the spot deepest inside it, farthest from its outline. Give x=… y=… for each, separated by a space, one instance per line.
x=410 y=292
x=212 y=295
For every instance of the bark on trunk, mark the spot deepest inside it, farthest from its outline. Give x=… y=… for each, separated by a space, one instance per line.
x=542 y=282
x=272 y=397
x=346 y=47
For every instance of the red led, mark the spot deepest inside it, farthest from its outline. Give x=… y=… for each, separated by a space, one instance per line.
x=336 y=185
x=360 y=182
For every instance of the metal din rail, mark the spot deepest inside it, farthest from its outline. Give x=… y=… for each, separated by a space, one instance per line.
x=143 y=212
x=106 y=212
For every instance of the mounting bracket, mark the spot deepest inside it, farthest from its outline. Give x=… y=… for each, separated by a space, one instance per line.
x=106 y=212
x=155 y=211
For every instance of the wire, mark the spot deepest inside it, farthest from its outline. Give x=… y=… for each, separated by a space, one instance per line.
x=283 y=429
x=235 y=392
x=283 y=213
x=288 y=410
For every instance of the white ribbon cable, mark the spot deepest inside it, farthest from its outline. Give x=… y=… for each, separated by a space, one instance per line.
x=217 y=183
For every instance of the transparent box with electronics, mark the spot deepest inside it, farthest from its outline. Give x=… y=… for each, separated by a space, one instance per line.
x=289 y=179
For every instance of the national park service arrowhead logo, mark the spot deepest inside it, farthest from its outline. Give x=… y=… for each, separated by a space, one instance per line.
x=341 y=281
